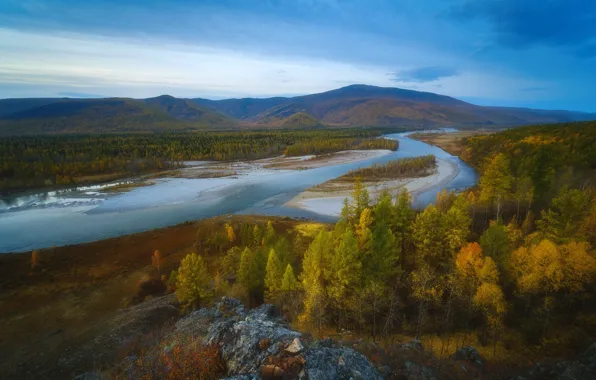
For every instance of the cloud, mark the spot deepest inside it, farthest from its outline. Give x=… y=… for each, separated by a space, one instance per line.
x=521 y=24
x=79 y=95
x=424 y=74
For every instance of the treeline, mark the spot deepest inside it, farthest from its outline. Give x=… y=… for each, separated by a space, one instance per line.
x=400 y=168
x=547 y=156
x=55 y=160
x=336 y=145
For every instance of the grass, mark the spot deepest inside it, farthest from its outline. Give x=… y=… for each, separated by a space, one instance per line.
x=64 y=303
x=449 y=142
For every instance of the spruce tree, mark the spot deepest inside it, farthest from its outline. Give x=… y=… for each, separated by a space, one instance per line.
x=273 y=275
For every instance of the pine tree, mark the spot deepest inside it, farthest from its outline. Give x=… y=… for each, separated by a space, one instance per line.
x=361 y=198
x=269 y=235
x=495 y=243
x=273 y=275
x=402 y=224
x=315 y=271
x=563 y=220
x=257 y=235
x=346 y=212
x=345 y=271
x=244 y=277
x=496 y=181
x=457 y=227
x=192 y=281
x=428 y=232
x=289 y=282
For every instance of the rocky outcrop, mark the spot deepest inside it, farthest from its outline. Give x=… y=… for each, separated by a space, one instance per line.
x=259 y=344
x=583 y=368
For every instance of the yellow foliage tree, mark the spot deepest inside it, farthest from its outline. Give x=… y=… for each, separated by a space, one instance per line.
x=230 y=233
x=192 y=281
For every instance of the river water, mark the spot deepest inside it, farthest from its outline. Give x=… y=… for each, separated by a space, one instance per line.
x=86 y=214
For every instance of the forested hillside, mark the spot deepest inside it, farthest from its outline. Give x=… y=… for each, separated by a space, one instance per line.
x=63 y=160
x=509 y=267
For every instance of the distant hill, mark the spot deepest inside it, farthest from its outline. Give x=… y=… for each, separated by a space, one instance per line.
x=111 y=115
x=351 y=106
x=361 y=105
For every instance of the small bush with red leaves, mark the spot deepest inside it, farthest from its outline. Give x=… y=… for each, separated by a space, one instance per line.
x=188 y=359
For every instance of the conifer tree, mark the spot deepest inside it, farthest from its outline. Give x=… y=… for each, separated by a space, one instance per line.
x=289 y=282
x=402 y=224
x=315 y=271
x=428 y=232
x=345 y=269
x=273 y=275
x=496 y=244
x=563 y=220
x=257 y=235
x=269 y=235
x=244 y=275
x=192 y=281
x=496 y=181
x=361 y=198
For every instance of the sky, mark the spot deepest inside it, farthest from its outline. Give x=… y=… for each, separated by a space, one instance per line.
x=530 y=53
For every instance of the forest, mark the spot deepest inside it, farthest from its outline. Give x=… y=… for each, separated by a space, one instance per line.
x=508 y=265
x=66 y=160
x=404 y=167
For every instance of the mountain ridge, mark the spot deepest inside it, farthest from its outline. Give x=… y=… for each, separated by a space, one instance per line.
x=350 y=106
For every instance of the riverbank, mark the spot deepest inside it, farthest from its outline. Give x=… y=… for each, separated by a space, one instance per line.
x=213 y=169
x=450 y=142
x=328 y=198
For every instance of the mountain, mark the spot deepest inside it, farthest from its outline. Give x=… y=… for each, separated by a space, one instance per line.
x=362 y=105
x=111 y=115
x=351 y=106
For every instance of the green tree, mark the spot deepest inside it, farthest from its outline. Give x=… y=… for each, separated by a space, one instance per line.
x=496 y=244
x=495 y=182
x=273 y=275
x=289 y=282
x=269 y=235
x=563 y=220
x=428 y=232
x=402 y=224
x=315 y=271
x=361 y=198
x=192 y=281
x=345 y=270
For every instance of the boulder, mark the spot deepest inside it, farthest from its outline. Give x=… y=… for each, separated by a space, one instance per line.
x=258 y=344
x=469 y=354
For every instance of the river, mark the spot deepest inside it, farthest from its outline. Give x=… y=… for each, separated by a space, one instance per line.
x=87 y=214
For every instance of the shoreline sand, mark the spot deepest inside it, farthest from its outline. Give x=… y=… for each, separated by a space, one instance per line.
x=328 y=199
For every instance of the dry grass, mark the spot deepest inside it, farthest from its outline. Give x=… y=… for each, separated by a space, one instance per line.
x=449 y=142
x=48 y=312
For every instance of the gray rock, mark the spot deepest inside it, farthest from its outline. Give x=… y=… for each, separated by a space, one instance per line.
x=415 y=371
x=325 y=363
x=238 y=333
x=470 y=354
x=295 y=347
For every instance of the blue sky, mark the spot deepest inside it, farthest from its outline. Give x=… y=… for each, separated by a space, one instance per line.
x=530 y=53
